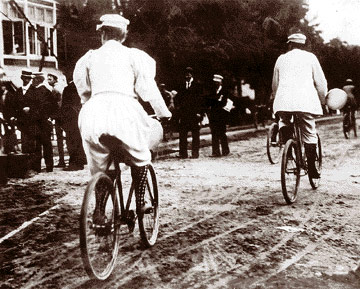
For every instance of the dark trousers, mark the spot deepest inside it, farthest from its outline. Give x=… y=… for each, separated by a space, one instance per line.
x=218 y=134
x=28 y=146
x=74 y=143
x=44 y=147
x=183 y=134
x=60 y=141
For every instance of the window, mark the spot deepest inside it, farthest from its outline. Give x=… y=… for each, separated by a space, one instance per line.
x=13 y=32
x=49 y=16
x=31 y=13
x=32 y=40
x=40 y=15
x=35 y=40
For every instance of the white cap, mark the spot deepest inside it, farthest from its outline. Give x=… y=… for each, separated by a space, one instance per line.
x=218 y=77
x=113 y=20
x=297 y=38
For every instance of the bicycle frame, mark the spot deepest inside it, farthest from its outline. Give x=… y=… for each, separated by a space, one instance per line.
x=124 y=209
x=299 y=142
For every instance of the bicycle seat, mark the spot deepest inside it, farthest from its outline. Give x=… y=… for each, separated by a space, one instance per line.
x=116 y=147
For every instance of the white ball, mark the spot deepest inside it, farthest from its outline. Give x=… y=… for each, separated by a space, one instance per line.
x=336 y=98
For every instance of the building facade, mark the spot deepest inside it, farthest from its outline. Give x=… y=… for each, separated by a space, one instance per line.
x=29 y=39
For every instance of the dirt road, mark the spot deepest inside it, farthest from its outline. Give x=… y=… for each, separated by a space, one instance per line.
x=224 y=224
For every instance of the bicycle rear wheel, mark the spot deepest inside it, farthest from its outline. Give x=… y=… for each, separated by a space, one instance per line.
x=318 y=164
x=99 y=239
x=290 y=172
x=273 y=145
x=148 y=219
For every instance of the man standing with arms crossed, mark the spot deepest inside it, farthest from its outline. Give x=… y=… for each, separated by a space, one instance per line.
x=299 y=86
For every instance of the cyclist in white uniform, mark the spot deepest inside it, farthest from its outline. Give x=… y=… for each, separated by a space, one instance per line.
x=109 y=81
x=299 y=86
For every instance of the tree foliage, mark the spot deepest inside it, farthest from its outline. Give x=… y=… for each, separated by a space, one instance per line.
x=237 y=38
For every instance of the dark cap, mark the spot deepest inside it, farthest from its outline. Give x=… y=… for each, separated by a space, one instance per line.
x=189 y=69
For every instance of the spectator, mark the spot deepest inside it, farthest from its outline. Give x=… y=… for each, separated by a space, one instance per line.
x=69 y=113
x=7 y=94
x=43 y=107
x=24 y=114
x=217 y=100
x=190 y=107
x=52 y=80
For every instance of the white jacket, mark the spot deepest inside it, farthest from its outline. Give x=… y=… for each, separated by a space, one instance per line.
x=299 y=83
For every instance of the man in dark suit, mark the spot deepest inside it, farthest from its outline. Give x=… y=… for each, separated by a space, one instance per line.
x=69 y=113
x=44 y=106
x=218 y=117
x=23 y=114
x=52 y=80
x=190 y=108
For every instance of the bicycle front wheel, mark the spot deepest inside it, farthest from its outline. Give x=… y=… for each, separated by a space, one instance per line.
x=318 y=164
x=290 y=172
x=273 y=145
x=148 y=218
x=99 y=236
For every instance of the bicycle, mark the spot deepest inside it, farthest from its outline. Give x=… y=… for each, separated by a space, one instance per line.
x=99 y=243
x=274 y=144
x=294 y=164
x=349 y=123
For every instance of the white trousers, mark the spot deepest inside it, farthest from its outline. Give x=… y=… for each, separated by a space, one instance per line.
x=306 y=122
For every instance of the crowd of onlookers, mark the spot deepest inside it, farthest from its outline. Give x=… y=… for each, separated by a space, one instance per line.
x=44 y=111
x=36 y=109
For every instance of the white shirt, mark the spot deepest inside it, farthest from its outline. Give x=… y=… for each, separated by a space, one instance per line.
x=298 y=83
x=25 y=88
x=129 y=71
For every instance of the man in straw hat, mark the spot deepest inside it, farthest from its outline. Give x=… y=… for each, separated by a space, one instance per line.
x=218 y=116
x=45 y=107
x=299 y=86
x=109 y=81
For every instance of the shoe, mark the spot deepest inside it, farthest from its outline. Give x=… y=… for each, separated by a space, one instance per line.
x=60 y=165
x=30 y=174
x=226 y=153
x=314 y=174
x=72 y=167
x=215 y=155
x=195 y=156
x=49 y=170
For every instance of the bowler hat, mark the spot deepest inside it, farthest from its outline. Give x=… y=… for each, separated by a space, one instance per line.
x=189 y=69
